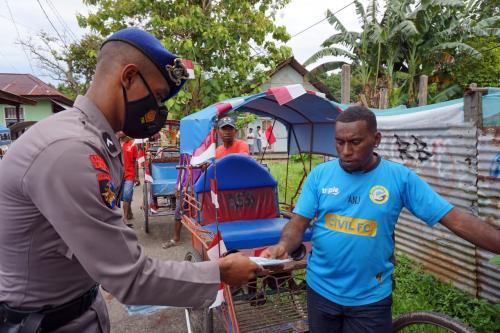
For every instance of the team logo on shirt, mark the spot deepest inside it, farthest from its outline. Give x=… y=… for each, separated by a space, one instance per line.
x=379 y=194
x=107 y=189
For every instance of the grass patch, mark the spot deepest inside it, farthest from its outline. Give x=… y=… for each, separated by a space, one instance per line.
x=295 y=172
x=418 y=290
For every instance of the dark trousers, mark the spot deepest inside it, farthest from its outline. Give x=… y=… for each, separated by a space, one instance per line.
x=326 y=316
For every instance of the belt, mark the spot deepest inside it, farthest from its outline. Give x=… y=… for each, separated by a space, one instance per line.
x=53 y=317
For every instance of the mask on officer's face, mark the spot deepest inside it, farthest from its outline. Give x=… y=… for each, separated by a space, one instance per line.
x=143 y=117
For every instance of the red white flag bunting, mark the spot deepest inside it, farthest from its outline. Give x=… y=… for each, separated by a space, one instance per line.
x=317 y=93
x=213 y=192
x=285 y=94
x=190 y=68
x=213 y=249
x=147 y=175
x=216 y=249
x=270 y=135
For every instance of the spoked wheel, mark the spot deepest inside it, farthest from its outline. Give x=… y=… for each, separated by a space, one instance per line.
x=428 y=322
x=145 y=206
x=201 y=319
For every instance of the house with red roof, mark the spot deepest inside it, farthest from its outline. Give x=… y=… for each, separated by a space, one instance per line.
x=43 y=101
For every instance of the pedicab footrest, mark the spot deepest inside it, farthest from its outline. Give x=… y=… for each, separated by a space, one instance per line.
x=249 y=234
x=273 y=303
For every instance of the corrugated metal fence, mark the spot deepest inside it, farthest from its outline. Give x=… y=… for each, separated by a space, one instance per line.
x=488 y=191
x=459 y=163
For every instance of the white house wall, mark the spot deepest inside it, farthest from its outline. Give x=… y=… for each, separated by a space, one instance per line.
x=285 y=76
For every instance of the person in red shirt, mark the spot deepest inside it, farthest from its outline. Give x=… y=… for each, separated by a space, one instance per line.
x=230 y=145
x=130 y=154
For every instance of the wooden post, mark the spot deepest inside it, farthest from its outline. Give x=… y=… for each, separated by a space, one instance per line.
x=383 y=98
x=473 y=106
x=345 y=88
x=422 y=90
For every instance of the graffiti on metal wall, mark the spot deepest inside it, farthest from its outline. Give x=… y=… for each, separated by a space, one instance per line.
x=406 y=152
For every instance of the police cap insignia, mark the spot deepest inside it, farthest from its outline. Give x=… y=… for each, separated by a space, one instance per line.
x=107 y=189
x=177 y=72
x=167 y=63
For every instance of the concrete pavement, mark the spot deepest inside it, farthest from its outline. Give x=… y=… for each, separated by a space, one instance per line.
x=160 y=230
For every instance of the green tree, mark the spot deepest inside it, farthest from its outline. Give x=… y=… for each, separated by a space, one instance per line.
x=232 y=43
x=333 y=82
x=485 y=71
x=72 y=65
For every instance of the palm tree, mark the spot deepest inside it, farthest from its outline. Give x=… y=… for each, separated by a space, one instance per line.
x=411 y=39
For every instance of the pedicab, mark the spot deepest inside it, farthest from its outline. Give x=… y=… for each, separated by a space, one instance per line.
x=160 y=173
x=236 y=199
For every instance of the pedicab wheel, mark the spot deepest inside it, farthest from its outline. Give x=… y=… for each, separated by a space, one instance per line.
x=201 y=319
x=145 y=207
x=428 y=321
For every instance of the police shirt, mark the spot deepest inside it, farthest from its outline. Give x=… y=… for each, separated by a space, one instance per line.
x=353 y=236
x=60 y=229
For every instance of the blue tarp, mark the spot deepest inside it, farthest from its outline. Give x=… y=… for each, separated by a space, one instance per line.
x=403 y=110
x=491 y=107
x=309 y=120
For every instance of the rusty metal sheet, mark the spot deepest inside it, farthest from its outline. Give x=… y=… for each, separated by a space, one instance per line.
x=488 y=184
x=447 y=158
x=489 y=173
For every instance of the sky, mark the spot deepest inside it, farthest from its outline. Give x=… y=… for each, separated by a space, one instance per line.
x=29 y=19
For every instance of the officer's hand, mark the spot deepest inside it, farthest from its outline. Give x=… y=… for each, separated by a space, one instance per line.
x=236 y=269
x=277 y=251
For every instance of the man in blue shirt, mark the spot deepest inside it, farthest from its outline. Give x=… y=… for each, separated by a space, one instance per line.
x=356 y=200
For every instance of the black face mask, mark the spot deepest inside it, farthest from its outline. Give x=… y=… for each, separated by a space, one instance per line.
x=143 y=117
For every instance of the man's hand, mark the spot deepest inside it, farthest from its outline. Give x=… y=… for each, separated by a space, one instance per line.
x=277 y=251
x=291 y=238
x=236 y=269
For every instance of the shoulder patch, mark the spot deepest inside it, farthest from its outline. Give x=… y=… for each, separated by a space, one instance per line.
x=107 y=189
x=109 y=143
x=98 y=163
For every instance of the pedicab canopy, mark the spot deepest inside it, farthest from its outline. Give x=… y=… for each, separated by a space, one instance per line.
x=308 y=116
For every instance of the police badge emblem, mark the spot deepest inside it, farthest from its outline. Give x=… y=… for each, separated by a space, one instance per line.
x=107 y=190
x=178 y=72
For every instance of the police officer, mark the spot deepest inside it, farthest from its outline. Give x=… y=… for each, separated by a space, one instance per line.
x=61 y=233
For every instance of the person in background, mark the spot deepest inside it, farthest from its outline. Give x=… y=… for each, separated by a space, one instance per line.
x=230 y=145
x=258 y=139
x=176 y=239
x=355 y=202
x=251 y=140
x=129 y=154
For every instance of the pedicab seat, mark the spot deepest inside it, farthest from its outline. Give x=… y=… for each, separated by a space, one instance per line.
x=248 y=212
x=164 y=178
x=250 y=234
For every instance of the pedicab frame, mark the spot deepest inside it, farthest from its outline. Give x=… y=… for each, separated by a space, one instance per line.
x=160 y=176
x=309 y=119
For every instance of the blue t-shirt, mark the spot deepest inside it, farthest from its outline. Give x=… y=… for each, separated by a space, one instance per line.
x=353 y=236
